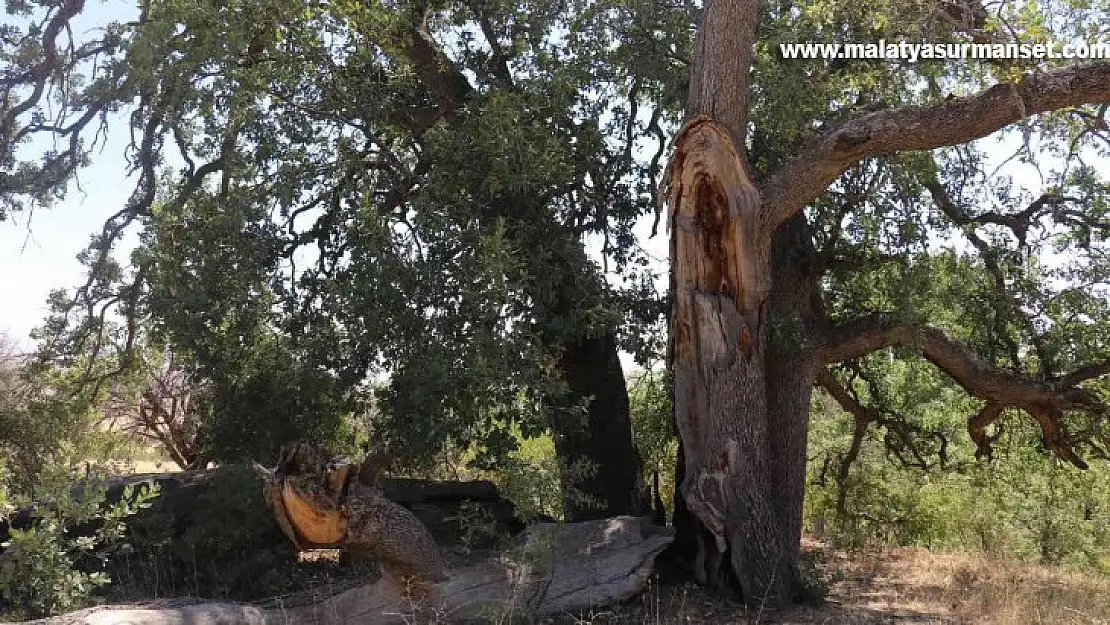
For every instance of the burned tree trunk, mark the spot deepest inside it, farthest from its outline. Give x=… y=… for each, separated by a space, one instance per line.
x=602 y=437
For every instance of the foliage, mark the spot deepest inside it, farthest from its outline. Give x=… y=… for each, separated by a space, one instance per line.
x=1023 y=504
x=53 y=566
x=531 y=479
x=443 y=246
x=51 y=427
x=477 y=525
x=654 y=430
x=212 y=538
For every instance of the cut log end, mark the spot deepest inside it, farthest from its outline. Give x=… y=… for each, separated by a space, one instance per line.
x=317 y=526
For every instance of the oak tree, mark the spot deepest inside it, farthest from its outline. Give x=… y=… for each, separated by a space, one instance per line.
x=751 y=331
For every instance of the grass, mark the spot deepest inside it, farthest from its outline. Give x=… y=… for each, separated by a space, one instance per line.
x=968 y=588
x=899 y=585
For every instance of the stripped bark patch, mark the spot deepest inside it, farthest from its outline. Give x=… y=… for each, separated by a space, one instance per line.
x=720 y=276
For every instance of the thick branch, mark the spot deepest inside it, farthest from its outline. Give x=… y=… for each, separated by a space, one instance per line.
x=1083 y=374
x=924 y=128
x=446 y=83
x=1046 y=401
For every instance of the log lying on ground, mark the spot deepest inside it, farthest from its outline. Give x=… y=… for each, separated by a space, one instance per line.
x=555 y=568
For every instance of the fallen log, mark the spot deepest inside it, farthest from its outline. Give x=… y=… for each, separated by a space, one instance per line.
x=555 y=568
x=440 y=506
x=211 y=534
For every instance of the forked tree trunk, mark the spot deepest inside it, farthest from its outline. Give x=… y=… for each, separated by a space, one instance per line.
x=738 y=427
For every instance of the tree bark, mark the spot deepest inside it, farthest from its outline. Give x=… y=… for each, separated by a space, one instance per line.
x=720 y=277
x=559 y=568
x=592 y=369
x=720 y=280
x=793 y=362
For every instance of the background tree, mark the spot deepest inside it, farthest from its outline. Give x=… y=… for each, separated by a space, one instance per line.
x=403 y=189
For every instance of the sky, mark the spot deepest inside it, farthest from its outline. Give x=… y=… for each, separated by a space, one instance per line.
x=38 y=250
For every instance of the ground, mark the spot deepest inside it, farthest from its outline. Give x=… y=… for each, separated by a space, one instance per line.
x=899 y=585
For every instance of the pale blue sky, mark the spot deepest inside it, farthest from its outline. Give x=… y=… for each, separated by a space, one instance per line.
x=38 y=250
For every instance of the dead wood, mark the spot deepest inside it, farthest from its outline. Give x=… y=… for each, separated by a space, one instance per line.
x=553 y=568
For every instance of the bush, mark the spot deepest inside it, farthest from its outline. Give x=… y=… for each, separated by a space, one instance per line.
x=530 y=479
x=1024 y=504
x=654 y=430
x=211 y=536
x=49 y=568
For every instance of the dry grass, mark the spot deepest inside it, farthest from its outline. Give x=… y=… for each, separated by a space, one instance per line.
x=966 y=588
x=896 y=586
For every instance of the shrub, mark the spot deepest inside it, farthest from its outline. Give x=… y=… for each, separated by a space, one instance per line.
x=653 y=427
x=1024 y=504
x=211 y=536
x=49 y=567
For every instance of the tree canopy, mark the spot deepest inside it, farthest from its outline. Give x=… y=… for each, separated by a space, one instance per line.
x=424 y=212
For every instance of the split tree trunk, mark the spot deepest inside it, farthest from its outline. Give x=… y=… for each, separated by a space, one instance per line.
x=741 y=448
x=721 y=281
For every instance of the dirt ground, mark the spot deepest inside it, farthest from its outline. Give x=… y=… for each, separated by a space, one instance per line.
x=896 y=586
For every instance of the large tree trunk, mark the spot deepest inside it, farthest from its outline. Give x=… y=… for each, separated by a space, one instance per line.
x=792 y=363
x=740 y=444
x=719 y=360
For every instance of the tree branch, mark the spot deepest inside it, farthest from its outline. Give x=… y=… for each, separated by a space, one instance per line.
x=924 y=128
x=1045 y=401
x=1083 y=374
x=1010 y=308
x=863 y=417
x=446 y=83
